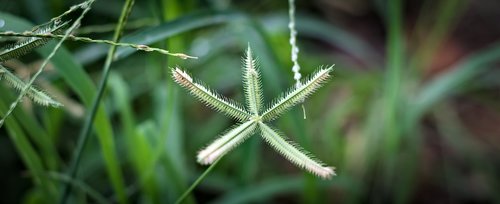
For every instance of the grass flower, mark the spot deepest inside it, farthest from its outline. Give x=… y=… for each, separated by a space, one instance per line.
x=254 y=117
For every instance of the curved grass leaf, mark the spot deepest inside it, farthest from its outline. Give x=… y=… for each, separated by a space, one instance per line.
x=449 y=83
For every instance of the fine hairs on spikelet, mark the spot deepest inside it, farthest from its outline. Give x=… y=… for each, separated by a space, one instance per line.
x=296 y=94
x=252 y=85
x=210 y=97
x=295 y=154
x=228 y=141
x=24 y=46
x=254 y=120
x=37 y=96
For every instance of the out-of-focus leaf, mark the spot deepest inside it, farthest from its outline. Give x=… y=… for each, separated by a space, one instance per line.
x=336 y=36
x=449 y=83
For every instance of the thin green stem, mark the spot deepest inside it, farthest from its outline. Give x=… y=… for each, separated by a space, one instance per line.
x=85 y=133
x=197 y=182
x=295 y=48
x=90 y=40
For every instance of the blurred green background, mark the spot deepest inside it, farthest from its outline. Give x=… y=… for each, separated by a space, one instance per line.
x=411 y=114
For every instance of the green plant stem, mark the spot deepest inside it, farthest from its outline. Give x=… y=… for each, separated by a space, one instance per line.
x=197 y=182
x=90 y=40
x=85 y=133
x=87 y=5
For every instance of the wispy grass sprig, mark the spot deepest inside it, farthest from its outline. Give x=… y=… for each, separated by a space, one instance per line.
x=36 y=95
x=26 y=45
x=48 y=35
x=56 y=26
x=86 y=8
x=253 y=120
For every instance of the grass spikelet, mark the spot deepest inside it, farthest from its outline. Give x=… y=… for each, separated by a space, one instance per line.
x=210 y=97
x=250 y=123
x=252 y=84
x=295 y=154
x=37 y=96
x=296 y=95
x=226 y=143
x=24 y=46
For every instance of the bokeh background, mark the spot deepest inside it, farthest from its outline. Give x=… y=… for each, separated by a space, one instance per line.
x=411 y=114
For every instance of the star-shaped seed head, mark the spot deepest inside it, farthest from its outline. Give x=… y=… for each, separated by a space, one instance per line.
x=254 y=117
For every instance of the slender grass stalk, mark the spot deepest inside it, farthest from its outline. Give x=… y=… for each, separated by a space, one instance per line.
x=293 y=43
x=86 y=5
x=90 y=40
x=197 y=182
x=295 y=48
x=85 y=133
